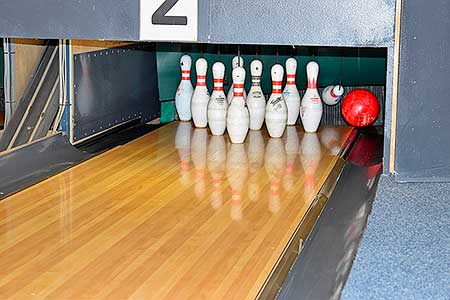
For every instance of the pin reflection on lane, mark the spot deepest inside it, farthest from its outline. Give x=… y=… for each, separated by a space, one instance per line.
x=237 y=172
x=199 y=149
x=217 y=157
x=310 y=155
x=275 y=164
x=183 y=146
x=330 y=138
x=291 y=145
x=255 y=150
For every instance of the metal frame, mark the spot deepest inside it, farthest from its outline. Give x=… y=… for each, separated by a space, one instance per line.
x=118 y=63
x=29 y=164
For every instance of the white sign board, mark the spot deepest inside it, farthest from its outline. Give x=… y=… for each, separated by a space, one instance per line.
x=169 y=20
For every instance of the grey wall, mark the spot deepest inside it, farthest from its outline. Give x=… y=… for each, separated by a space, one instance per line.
x=301 y=22
x=86 y=19
x=423 y=117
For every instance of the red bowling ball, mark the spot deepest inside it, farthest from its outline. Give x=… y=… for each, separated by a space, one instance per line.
x=360 y=108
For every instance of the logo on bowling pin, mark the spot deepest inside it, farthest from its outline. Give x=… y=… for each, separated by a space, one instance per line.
x=290 y=93
x=332 y=94
x=256 y=101
x=217 y=107
x=238 y=119
x=276 y=109
x=237 y=61
x=311 y=106
x=185 y=90
x=200 y=98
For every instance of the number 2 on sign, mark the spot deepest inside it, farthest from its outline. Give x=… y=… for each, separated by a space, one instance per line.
x=159 y=16
x=168 y=20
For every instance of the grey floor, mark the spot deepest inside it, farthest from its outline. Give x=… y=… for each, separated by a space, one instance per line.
x=323 y=265
x=405 y=251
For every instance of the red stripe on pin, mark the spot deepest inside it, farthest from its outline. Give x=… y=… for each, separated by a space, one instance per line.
x=201 y=76
x=312 y=84
x=332 y=94
x=238 y=86
x=201 y=83
x=218 y=88
x=219 y=80
x=185 y=72
x=276 y=91
x=237 y=94
x=290 y=75
x=277 y=82
x=185 y=78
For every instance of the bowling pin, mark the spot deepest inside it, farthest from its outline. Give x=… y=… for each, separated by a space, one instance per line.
x=276 y=109
x=311 y=105
x=238 y=119
x=185 y=90
x=332 y=94
x=217 y=106
x=237 y=61
x=200 y=98
x=256 y=101
x=290 y=93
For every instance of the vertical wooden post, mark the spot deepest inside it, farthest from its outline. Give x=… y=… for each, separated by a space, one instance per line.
x=398 y=10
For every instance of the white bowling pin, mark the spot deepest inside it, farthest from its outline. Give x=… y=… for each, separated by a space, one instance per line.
x=200 y=98
x=276 y=109
x=217 y=106
x=311 y=106
x=185 y=90
x=237 y=61
x=238 y=119
x=290 y=93
x=332 y=94
x=256 y=101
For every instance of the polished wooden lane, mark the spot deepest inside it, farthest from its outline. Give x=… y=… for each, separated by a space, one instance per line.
x=175 y=214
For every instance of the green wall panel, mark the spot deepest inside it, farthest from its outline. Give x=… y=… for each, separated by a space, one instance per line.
x=350 y=66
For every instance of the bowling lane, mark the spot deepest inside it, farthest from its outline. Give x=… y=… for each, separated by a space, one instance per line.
x=175 y=214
